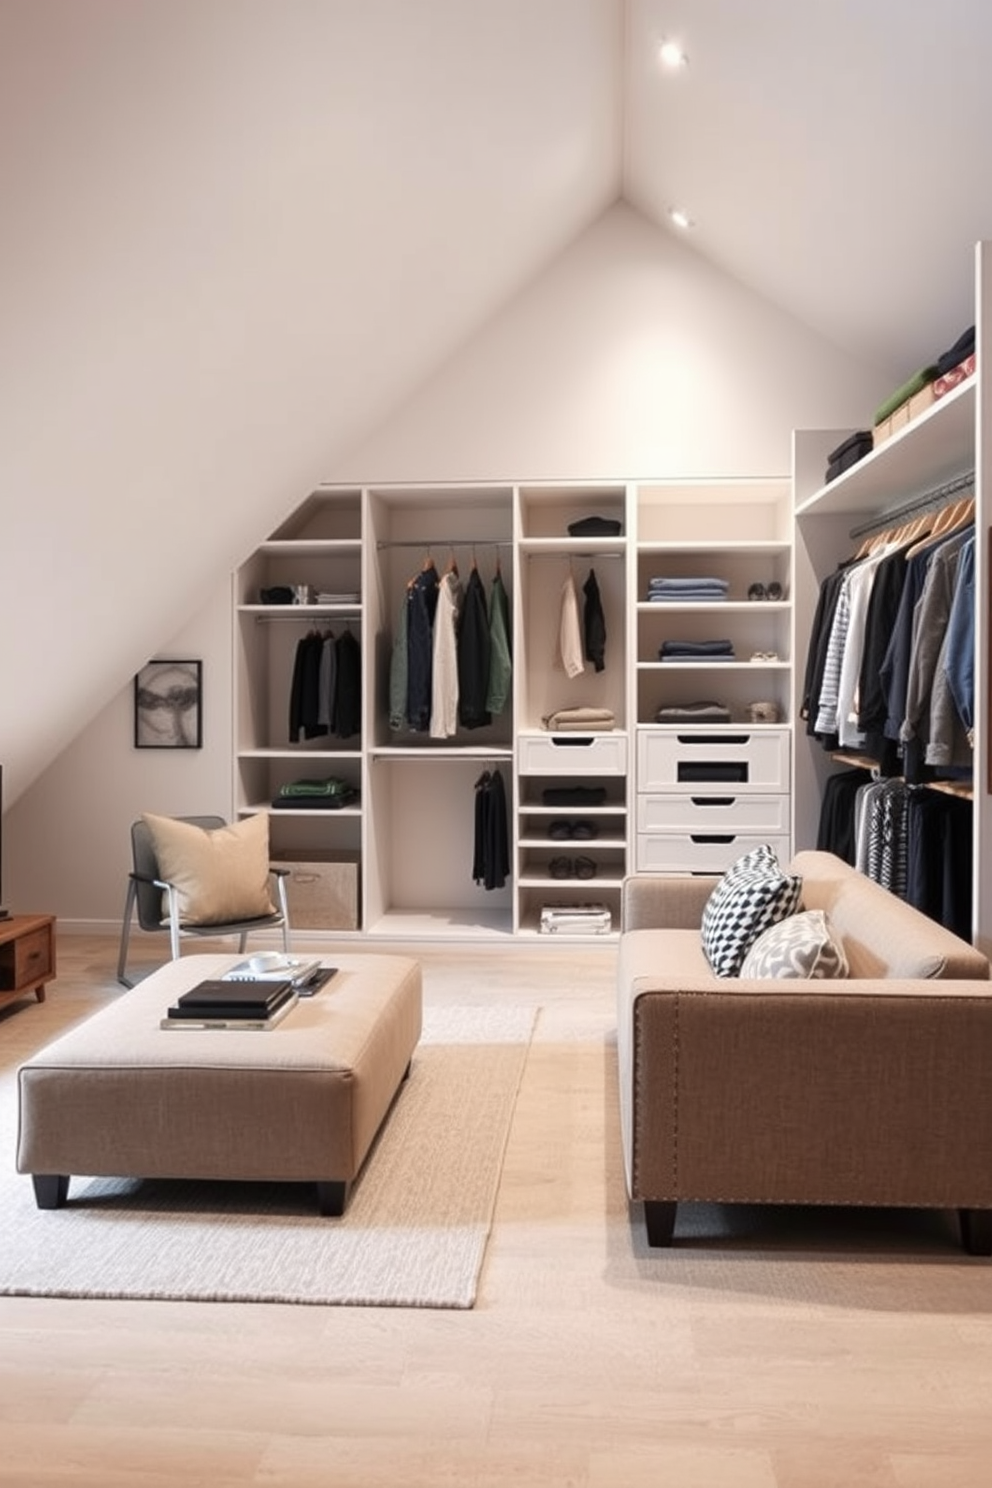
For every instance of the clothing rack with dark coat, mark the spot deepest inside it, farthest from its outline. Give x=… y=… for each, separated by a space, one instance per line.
x=491 y=853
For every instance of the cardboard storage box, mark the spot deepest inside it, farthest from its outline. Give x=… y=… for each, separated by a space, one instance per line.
x=321 y=890
x=921 y=401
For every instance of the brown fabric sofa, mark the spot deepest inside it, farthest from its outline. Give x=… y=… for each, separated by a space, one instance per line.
x=871 y=1090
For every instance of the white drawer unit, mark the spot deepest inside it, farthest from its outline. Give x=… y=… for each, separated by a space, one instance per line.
x=705 y=852
x=710 y=762
x=706 y=814
x=707 y=796
x=572 y=754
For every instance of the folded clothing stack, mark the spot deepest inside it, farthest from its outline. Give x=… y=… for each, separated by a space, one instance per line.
x=330 y=793
x=963 y=348
x=693 y=713
x=696 y=650
x=853 y=449
x=909 y=389
x=662 y=590
x=956 y=363
x=580 y=720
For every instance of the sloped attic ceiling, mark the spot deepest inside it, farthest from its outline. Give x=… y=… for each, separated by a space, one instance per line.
x=235 y=234
x=238 y=233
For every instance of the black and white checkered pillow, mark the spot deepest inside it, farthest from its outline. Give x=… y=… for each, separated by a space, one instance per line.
x=752 y=895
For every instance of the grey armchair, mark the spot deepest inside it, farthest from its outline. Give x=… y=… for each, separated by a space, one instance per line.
x=146 y=887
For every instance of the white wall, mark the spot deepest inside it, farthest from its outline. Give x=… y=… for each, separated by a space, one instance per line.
x=66 y=840
x=630 y=357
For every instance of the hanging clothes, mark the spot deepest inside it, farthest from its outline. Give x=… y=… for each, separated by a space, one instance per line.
x=473 y=655
x=952 y=709
x=444 y=667
x=422 y=599
x=500 y=654
x=568 y=655
x=328 y=682
x=304 y=691
x=398 y=669
x=594 y=623
x=491 y=848
x=347 y=708
x=929 y=629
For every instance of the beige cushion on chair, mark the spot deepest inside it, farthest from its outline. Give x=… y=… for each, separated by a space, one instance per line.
x=221 y=875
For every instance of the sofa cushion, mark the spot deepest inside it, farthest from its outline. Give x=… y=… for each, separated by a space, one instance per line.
x=753 y=894
x=221 y=875
x=800 y=946
x=883 y=936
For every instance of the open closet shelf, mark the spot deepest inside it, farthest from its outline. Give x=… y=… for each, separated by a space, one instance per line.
x=933 y=448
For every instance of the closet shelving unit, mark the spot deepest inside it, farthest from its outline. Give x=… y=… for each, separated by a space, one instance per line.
x=546 y=556
x=319 y=545
x=412 y=828
x=708 y=792
x=945 y=443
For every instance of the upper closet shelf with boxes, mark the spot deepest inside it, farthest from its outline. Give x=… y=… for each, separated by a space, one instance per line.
x=932 y=447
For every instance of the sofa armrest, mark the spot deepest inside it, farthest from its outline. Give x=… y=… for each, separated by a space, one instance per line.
x=665 y=902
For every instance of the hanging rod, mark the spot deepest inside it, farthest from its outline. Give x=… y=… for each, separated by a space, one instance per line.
x=450 y=542
x=926 y=502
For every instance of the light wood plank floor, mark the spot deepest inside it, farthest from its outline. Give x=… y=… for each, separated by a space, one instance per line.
x=765 y=1350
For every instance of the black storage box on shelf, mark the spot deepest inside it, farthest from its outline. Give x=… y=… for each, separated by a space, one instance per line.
x=853 y=449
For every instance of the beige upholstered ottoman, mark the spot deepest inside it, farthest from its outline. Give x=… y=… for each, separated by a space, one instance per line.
x=119 y=1096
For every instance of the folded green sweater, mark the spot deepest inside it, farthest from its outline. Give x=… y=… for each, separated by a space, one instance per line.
x=898 y=398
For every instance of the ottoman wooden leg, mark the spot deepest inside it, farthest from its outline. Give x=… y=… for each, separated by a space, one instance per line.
x=50 y=1189
x=331 y=1198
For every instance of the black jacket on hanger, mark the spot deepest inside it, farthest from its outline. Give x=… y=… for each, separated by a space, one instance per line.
x=473 y=655
x=491 y=855
x=594 y=623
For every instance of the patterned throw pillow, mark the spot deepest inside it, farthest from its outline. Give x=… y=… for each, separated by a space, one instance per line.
x=752 y=895
x=801 y=946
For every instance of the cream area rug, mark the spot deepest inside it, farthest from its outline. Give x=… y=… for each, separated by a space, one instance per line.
x=413 y=1235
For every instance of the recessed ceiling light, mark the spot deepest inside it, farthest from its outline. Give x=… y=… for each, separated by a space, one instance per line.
x=680 y=217
x=670 y=53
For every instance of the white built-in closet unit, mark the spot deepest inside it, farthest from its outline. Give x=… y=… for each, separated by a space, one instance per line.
x=674 y=797
x=926 y=458
x=670 y=798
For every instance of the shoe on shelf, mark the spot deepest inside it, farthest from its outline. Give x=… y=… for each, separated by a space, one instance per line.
x=583 y=830
x=585 y=868
x=561 y=868
x=560 y=831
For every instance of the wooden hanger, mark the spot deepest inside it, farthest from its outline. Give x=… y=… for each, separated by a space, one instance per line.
x=956 y=514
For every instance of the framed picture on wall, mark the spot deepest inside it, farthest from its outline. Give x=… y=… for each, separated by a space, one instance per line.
x=168 y=705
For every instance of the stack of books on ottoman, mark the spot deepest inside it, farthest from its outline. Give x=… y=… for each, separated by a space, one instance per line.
x=227 y=1004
